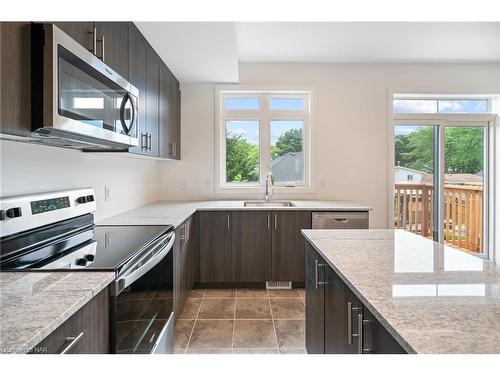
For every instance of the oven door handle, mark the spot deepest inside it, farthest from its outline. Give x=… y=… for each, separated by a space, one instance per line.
x=129 y=277
x=127 y=129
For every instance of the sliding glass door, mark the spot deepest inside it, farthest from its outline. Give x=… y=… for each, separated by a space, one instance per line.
x=440 y=177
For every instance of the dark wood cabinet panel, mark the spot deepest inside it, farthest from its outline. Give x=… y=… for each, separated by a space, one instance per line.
x=179 y=271
x=169 y=114
x=82 y=32
x=376 y=339
x=341 y=316
x=215 y=255
x=251 y=232
x=152 y=99
x=137 y=77
x=91 y=322
x=315 y=303
x=288 y=256
x=114 y=50
x=191 y=254
x=15 y=76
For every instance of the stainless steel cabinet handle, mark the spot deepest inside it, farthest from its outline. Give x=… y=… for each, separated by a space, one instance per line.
x=268 y=221
x=275 y=222
x=363 y=323
x=71 y=342
x=341 y=219
x=170 y=147
x=144 y=141
x=350 y=310
x=360 y=333
x=174 y=149
x=316 y=274
x=149 y=141
x=94 y=41
x=102 y=49
x=228 y=224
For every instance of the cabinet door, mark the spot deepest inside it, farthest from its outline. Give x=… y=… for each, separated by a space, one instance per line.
x=152 y=99
x=88 y=328
x=115 y=46
x=215 y=247
x=251 y=246
x=137 y=77
x=15 y=78
x=341 y=316
x=289 y=244
x=376 y=339
x=315 y=302
x=79 y=31
x=169 y=129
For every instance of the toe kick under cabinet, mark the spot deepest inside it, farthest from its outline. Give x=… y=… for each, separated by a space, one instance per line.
x=337 y=322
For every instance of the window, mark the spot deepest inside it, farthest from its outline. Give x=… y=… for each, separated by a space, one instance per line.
x=446 y=195
x=261 y=133
x=440 y=105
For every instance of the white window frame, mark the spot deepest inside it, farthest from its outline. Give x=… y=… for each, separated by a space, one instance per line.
x=264 y=115
x=490 y=153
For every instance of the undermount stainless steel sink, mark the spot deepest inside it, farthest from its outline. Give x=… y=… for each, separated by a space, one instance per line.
x=268 y=204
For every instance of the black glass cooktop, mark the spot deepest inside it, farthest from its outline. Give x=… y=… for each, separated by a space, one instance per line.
x=72 y=245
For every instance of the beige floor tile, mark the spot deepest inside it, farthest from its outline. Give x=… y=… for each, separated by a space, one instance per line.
x=217 y=309
x=191 y=307
x=212 y=334
x=255 y=351
x=220 y=293
x=288 y=308
x=290 y=334
x=253 y=309
x=251 y=293
x=183 y=329
x=196 y=293
x=209 y=351
x=254 y=334
x=293 y=351
x=284 y=293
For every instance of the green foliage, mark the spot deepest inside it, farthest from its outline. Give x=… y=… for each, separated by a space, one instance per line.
x=242 y=160
x=290 y=141
x=463 y=149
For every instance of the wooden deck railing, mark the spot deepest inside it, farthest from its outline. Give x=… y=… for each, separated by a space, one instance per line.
x=463 y=221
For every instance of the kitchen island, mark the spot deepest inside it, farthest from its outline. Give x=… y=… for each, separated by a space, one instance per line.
x=428 y=297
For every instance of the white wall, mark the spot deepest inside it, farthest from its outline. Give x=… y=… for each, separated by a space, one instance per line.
x=350 y=125
x=29 y=169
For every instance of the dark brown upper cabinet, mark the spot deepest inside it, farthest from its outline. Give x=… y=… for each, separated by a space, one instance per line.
x=251 y=233
x=169 y=115
x=113 y=45
x=82 y=32
x=288 y=256
x=153 y=63
x=138 y=47
x=15 y=84
x=215 y=252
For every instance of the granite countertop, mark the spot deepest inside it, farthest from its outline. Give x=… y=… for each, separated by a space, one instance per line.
x=176 y=212
x=34 y=304
x=432 y=298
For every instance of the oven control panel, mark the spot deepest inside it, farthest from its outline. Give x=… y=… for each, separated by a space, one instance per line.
x=21 y=213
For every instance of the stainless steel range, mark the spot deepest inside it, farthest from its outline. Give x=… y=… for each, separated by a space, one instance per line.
x=56 y=232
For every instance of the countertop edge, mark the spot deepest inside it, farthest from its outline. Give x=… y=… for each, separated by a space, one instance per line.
x=394 y=333
x=25 y=347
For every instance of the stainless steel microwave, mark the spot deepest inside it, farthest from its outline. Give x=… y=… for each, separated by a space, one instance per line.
x=77 y=100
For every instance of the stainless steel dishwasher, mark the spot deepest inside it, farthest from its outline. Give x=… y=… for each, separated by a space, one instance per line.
x=340 y=220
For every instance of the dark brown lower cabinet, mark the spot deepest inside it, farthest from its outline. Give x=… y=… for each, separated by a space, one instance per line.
x=86 y=332
x=288 y=257
x=315 y=303
x=337 y=322
x=251 y=246
x=215 y=255
x=183 y=264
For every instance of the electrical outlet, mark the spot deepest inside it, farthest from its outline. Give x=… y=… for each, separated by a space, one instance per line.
x=183 y=185
x=107 y=193
x=208 y=183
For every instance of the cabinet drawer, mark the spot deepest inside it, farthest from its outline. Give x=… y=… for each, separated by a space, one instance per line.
x=85 y=332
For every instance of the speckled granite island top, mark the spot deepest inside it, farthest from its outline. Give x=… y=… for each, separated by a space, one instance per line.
x=176 y=212
x=33 y=304
x=431 y=298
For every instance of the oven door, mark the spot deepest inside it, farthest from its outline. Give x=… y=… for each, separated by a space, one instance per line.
x=142 y=304
x=81 y=97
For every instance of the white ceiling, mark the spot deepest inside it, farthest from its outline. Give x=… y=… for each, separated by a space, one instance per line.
x=210 y=52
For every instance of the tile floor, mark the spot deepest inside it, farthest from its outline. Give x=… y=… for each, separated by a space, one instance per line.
x=242 y=321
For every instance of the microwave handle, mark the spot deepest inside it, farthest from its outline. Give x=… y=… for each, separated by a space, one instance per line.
x=122 y=113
